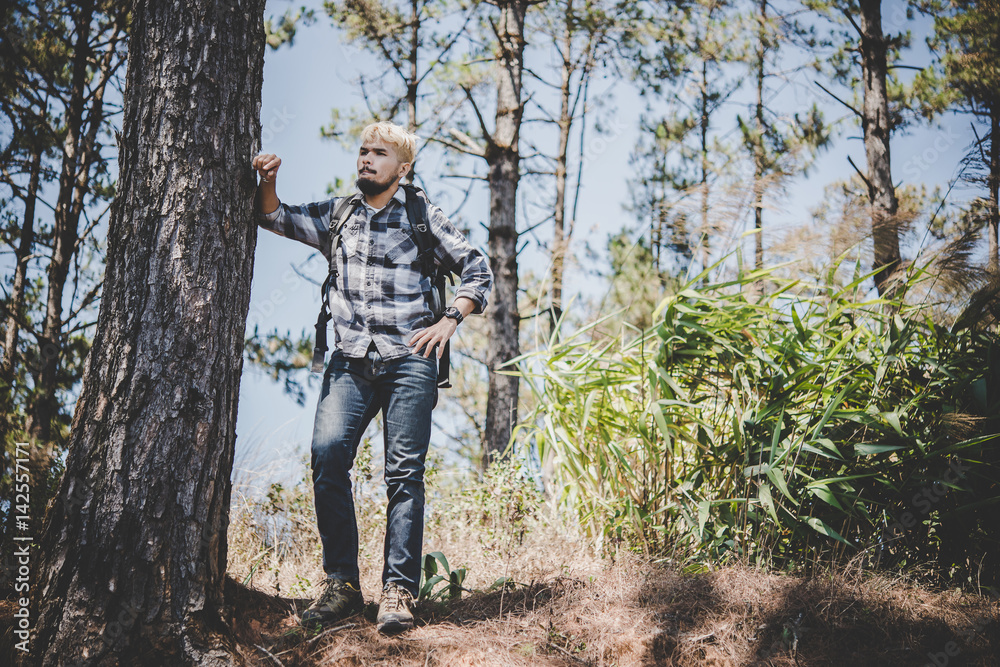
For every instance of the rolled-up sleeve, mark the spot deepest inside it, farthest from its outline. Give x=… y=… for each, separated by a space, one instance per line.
x=308 y=223
x=456 y=254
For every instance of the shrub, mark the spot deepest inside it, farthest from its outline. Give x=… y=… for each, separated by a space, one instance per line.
x=786 y=430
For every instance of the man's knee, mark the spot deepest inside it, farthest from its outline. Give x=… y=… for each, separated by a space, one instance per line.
x=407 y=471
x=332 y=456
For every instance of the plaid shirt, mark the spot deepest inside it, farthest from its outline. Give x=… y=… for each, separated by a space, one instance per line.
x=380 y=294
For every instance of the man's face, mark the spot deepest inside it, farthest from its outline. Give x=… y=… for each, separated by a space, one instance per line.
x=378 y=167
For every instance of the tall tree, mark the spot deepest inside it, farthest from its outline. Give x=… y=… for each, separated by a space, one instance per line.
x=58 y=57
x=580 y=33
x=133 y=555
x=868 y=49
x=966 y=78
x=97 y=36
x=873 y=48
x=682 y=154
x=501 y=151
x=781 y=145
x=407 y=38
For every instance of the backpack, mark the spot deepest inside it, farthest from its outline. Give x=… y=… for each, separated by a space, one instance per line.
x=416 y=215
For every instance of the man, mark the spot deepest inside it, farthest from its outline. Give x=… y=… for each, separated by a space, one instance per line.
x=385 y=358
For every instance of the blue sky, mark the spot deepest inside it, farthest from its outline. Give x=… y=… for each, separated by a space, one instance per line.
x=304 y=82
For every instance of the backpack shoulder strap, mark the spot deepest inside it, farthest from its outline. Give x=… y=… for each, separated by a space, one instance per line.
x=416 y=214
x=341 y=213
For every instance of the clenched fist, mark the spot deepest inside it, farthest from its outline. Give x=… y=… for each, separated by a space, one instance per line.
x=267 y=165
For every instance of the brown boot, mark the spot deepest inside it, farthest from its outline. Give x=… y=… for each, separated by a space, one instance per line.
x=339 y=600
x=395 y=610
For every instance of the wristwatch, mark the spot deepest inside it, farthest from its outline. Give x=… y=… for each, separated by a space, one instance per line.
x=454 y=313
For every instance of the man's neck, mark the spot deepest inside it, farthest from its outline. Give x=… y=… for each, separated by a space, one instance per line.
x=379 y=201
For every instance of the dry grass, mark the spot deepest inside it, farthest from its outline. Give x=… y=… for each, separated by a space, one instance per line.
x=499 y=527
x=570 y=607
x=638 y=614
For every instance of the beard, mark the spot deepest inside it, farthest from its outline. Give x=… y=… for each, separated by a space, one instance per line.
x=370 y=187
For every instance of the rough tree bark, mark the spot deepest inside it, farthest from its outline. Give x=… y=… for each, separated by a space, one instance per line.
x=875 y=123
x=503 y=160
x=132 y=559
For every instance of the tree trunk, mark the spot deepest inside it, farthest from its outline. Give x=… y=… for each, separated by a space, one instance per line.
x=133 y=555
x=503 y=160
x=414 y=80
x=875 y=123
x=65 y=228
x=16 y=300
x=993 y=264
x=703 y=123
x=9 y=422
x=759 y=167
x=559 y=240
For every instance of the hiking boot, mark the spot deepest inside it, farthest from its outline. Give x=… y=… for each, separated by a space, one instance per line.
x=340 y=600
x=395 y=610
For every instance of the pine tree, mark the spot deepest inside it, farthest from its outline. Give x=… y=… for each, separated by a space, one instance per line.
x=132 y=558
x=682 y=156
x=966 y=78
x=781 y=145
x=59 y=60
x=871 y=53
x=582 y=34
x=503 y=159
x=84 y=121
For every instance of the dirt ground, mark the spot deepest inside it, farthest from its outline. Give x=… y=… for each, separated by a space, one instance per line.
x=634 y=614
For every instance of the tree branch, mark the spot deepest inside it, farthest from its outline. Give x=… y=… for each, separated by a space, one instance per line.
x=469 y=142
x=863 y=177
x=456 y=147
x=487 y=135
x=827 y=91
x=440 y=57
x=853 y=23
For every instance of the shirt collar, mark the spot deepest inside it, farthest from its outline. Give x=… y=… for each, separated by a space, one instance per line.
x=400 y=196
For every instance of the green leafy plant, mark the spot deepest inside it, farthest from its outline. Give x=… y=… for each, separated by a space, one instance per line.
x=450 y=580
x=800 y=426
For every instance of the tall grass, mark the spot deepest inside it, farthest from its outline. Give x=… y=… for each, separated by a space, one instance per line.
x=806 y=425
x=492 y=530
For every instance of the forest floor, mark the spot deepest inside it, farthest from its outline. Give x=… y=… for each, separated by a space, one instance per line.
x=574 y=604
x=567 y=602
x=638 y=614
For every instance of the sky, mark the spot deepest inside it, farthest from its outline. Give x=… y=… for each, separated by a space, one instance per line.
x=304 y=82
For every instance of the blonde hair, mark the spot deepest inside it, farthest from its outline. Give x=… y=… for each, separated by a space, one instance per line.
x=404 y=142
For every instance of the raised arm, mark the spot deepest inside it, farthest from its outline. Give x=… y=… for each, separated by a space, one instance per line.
x=267 y=165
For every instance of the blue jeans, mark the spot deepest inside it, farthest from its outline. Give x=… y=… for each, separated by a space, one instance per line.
x=354 y=390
